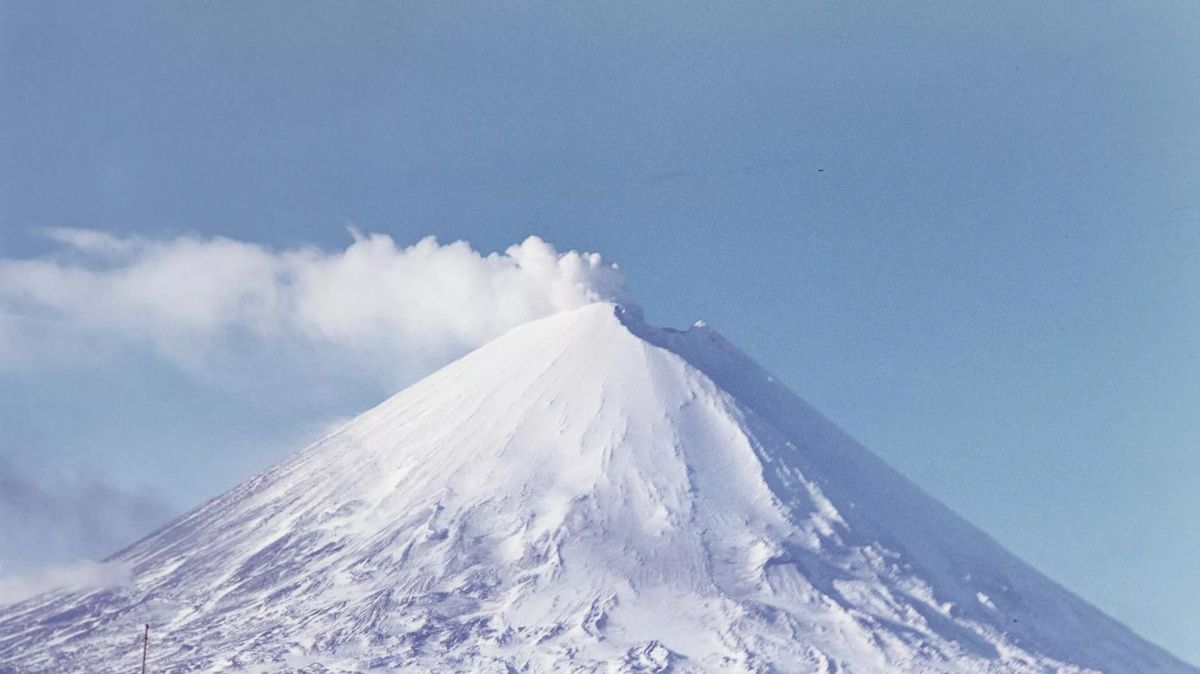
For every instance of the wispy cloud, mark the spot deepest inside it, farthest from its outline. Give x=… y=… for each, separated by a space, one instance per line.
x=189 y=297
x=53 y=515
x=82 y=573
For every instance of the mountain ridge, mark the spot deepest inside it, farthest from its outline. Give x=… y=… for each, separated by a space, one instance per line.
x=585 y=493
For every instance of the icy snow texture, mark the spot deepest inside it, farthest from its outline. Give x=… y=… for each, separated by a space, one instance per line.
x=585 y=493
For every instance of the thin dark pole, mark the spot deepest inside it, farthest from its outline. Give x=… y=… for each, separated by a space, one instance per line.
x=145 y=646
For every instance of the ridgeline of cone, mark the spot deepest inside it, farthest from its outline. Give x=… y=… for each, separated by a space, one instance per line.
x=585 y=493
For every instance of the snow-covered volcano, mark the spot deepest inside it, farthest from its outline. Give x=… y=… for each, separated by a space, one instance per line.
x=585 y=493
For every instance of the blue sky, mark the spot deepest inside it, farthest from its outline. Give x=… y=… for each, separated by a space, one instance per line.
x=968 y=233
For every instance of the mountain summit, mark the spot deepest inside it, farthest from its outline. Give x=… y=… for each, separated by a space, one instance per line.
x=585 y=493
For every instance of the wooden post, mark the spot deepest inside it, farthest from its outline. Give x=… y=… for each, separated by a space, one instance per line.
x=145 y=646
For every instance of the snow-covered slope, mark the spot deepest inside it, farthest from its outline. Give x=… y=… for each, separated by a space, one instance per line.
x=585 y=493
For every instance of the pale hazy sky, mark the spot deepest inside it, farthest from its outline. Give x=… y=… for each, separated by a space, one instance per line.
x=967 y=232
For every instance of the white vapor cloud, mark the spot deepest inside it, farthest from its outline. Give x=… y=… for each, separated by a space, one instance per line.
x=80 y=574
x=188 y=297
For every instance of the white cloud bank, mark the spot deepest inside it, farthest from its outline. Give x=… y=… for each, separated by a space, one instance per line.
x=188 y=297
